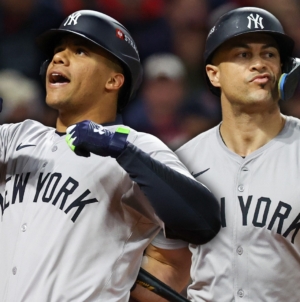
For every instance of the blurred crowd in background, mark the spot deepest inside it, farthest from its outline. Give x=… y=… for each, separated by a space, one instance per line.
x=173 y=101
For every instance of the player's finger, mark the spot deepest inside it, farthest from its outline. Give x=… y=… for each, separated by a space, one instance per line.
x=70 y=129
x=70 y=141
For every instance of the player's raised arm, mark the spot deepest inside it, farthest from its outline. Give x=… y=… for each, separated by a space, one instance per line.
x=187 y=208
x=77 y=214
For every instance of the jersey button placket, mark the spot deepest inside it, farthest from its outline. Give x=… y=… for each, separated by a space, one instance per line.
x=240 y=293
x=239 y=250
x=241 y=188
x=24 y=227
x=241 y=265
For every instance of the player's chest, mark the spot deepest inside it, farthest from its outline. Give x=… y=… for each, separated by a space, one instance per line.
x=50 y=155
x=50 y=173
x=257 y=194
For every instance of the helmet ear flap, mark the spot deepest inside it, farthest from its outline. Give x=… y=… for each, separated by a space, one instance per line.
x=43 y=69
x=289 y=80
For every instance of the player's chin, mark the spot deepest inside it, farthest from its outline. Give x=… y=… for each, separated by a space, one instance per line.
x=272 y=95
x=264 y=94
x=259 y=98
x=54 y=101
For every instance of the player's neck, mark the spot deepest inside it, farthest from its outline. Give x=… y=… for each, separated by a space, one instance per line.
x=243 y=134
x=65 y=120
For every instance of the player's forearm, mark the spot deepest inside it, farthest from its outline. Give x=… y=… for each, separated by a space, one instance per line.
x=141 y=294
x=189 y=210
x=175 y=274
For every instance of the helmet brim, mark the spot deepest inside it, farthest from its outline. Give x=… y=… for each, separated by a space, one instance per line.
x=49 y=39
x=285 y=44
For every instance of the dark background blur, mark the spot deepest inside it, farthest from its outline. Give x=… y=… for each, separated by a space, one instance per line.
x=173 y=101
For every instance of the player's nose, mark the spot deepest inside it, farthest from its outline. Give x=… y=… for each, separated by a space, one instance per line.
x=257 y=63
x=61 y=57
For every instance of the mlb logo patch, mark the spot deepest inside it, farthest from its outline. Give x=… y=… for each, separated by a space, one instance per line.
x=120 y=34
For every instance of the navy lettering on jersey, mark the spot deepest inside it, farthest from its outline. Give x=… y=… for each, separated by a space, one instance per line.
x=294 y=226
x=3 y=205
x=40 y=185
x=80 y=204
x=223 y=216
x=50 y=182
x=65 y=191
x=280 y=216
x=259 y=210
x=56 y=177
x=3 y=201
x=19 y=187
x=261 y=214
x=245 y=208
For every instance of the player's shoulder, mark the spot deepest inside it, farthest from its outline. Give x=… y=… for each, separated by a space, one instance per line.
x=26 y=127
x=144 y=141
x=201 y=139
x=291 y=131
x=293 y=122
x=35 y=124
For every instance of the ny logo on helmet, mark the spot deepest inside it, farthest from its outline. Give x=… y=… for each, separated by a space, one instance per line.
x=72 y=18
x=257 y=21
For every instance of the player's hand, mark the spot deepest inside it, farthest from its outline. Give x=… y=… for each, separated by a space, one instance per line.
x=88 y=137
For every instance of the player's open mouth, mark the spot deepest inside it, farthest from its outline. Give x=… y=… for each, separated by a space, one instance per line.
x=58 y=78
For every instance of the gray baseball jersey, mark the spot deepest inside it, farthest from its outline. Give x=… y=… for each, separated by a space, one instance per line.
x=71 y=228
x=256 y=255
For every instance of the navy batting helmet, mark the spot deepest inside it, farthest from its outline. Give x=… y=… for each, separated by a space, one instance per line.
x=105 y=32
x=242 y=21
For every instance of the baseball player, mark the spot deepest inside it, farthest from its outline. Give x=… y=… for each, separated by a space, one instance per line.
x=81 y=202
x=251 y=163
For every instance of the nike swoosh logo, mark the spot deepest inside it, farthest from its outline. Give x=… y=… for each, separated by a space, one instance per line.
x=197 y=174
x=23 y=146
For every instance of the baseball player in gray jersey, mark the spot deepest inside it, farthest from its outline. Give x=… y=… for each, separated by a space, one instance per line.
x=251 y=163
x=81 y=202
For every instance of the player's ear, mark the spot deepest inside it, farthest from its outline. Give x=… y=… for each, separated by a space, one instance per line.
x=115 y=81
x=213 y=74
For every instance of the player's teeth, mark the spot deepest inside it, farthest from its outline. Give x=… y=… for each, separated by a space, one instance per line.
x=58 y=78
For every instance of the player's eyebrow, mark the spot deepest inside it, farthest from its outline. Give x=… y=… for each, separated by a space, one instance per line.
x=75 y=41
x=247 y=45
x=70 y=38
x=79 y=42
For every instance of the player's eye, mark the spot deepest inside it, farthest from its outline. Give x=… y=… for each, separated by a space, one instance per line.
x=243 y=55
x=271 y=52
x=270 y=55
x=80 y=51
